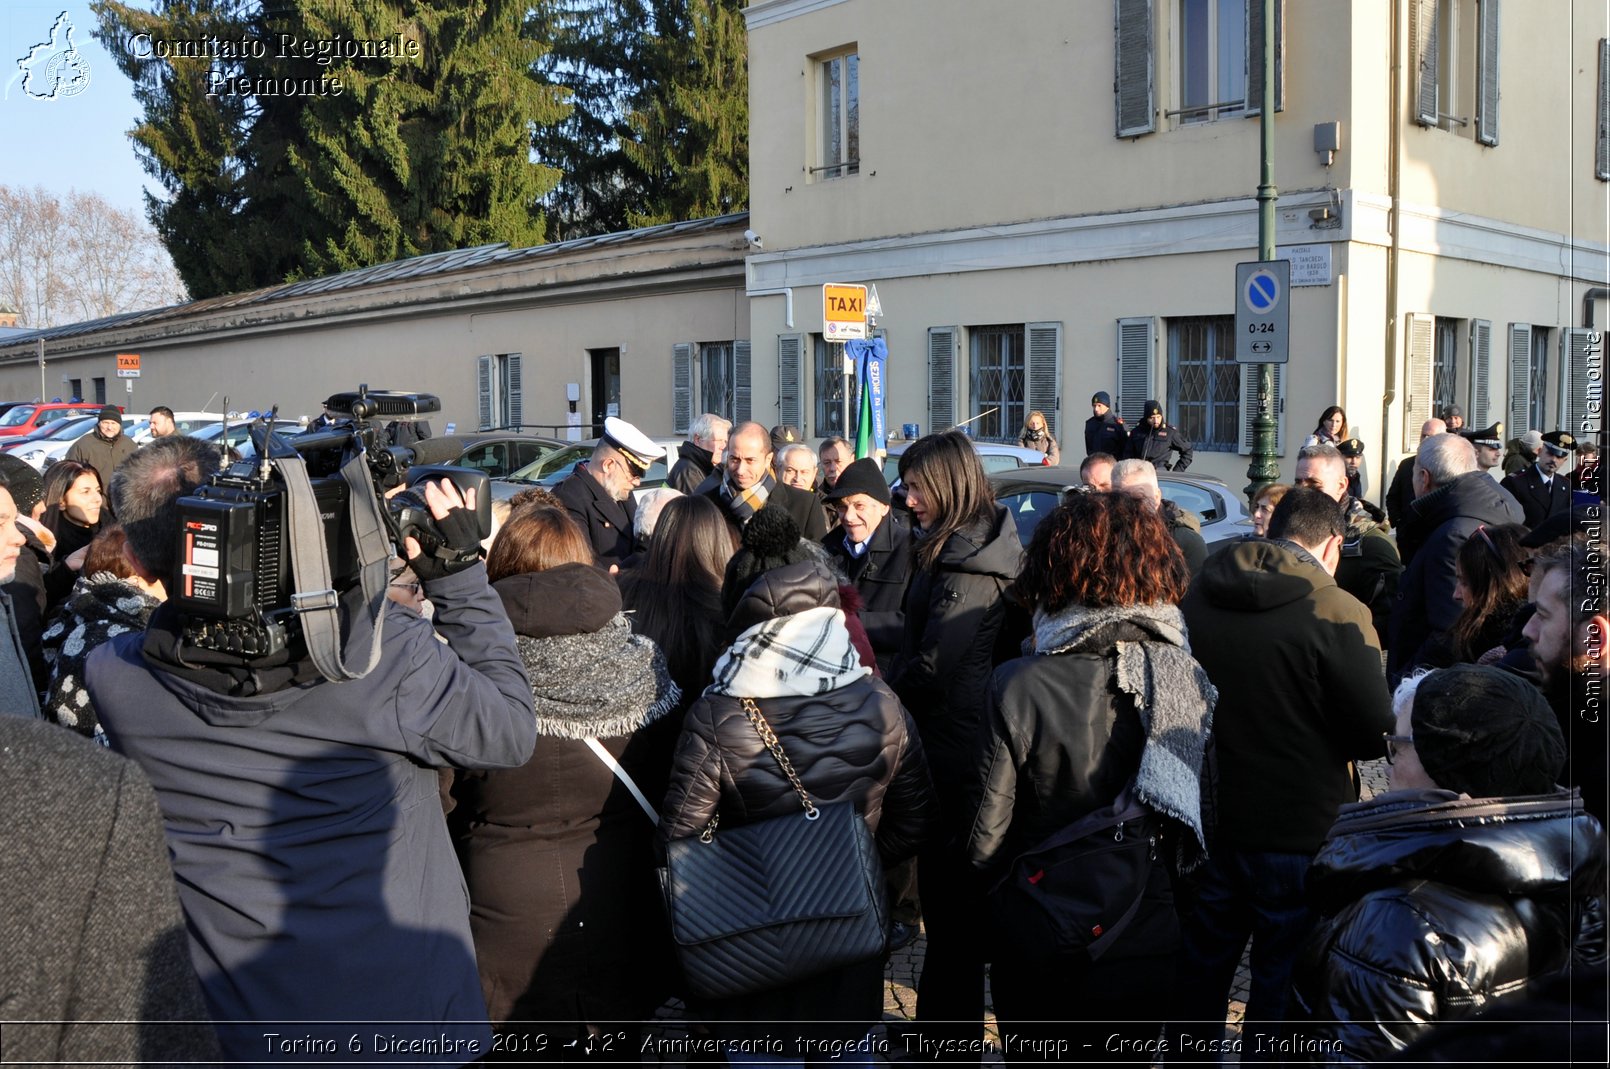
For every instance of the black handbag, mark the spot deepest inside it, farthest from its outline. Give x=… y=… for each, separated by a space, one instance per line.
x=1075 y=891
x=780 y=900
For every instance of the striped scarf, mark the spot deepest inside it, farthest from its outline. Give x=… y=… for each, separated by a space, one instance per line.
x=743 y=504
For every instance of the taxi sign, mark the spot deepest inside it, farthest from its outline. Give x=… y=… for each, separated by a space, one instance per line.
x=843 y=311
x=128 y=365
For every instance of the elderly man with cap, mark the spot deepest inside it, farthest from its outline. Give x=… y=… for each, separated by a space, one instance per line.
x=1489 y=443
x=872 y=543
x=1541 y=490
x=1154 y=438
x=598 y=494
x=1472 y=876
x=105 y=447
x=1104 y=430
x=748 y=485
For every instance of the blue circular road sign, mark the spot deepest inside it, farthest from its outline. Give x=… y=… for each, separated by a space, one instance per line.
x=1262 y=292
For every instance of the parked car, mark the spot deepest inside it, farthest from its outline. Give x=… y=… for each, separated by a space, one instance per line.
x=26 y=418
x=554 y=468
x=995 y=457
x=238 y=435
x=184 y=422
x=501 y=453
x=50 y=443
x=1031 y=493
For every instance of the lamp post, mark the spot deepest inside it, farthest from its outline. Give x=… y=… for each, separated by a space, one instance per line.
x=1263 y=469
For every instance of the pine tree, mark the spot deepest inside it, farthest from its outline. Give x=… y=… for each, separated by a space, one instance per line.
x=691 y=129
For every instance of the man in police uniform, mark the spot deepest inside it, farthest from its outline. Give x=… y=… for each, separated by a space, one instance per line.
x=1153 y=439
x=1352 y=450
x=1104 y=430
x=598 y=494
x=1540 y=489
x=1489 y=443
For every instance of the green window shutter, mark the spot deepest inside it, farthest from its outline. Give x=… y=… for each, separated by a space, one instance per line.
x=485 y=390
x=1137 y=351
x=1249 y=407
x=1045 y=371
x=1423 y=14
x=941 y=379
x=681 y=387
x=1133 y=57
x=740 y=382
x=1417 y=378
x=790 y=380
x=1520 y=378
x=1254 y=59
x=1481 y=357
x=1487 y=72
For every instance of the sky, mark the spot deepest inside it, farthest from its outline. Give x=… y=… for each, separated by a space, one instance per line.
x=76 y=141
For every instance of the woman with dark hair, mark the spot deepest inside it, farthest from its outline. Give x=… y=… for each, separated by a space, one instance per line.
x=1491 y=584
x=674 y=596
x=966 y=555
x=1331 y=428
x=108 y=600
x=559 y=859
x=74 y=510
x=1110 y=697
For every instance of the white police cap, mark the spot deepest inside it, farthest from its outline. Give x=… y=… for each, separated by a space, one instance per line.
x=638 y=448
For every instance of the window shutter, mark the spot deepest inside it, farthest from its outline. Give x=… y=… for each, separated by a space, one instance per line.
x=485 y=388
x=941 y=379
x=1136 y=355
x=1132 y=67
x=740 y=382
x=1481 y=358
x=1520 y=378
x=1249 y=407
x=1254 y=60
x=1487 y=72
x=1581 y=394
x=1602 y=165
x=1425 y=54
x=790 y=380
x=1417 y=397
x=1045 y=371
x=513 y=401
x=681 y=387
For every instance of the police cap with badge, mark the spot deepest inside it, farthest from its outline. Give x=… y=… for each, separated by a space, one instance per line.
x=1559 y=443
x=635 y=447
x=1352 y=448
x=1491 y=437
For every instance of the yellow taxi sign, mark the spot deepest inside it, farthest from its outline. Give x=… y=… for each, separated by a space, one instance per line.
x=128 y=365
x=843 y=311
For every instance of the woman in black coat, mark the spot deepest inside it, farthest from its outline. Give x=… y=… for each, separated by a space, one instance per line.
x=75 y=512
x=1110 y=696
x=559 y=858
x=847 y=738
x=967 y=554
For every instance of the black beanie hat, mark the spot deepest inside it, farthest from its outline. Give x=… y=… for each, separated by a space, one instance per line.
x=1487 y=733
x=23 y=481
x=862 y=477
x=1151 y=406
x=110 y=412
x=771 y=539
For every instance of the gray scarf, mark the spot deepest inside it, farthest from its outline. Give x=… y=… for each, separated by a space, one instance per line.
x=1171 y=691
x=605 y=684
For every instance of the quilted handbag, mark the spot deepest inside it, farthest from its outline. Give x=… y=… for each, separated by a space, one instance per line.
x=763 y=905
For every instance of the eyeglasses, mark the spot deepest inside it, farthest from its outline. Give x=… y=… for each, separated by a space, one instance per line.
x=412 y=588
x=1394 y=743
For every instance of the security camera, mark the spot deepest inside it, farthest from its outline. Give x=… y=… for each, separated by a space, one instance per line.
x=753 y=239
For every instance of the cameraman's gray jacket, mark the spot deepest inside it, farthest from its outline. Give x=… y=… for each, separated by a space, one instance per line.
x=313 y=862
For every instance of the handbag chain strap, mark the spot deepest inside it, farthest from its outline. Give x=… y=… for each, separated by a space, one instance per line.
x=769 y=737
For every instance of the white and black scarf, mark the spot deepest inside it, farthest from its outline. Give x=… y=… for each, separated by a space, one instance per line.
x=791 y=656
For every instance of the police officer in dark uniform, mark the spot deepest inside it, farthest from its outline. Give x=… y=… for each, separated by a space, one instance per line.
x=598 y=494
x=1540 y=489
x=1104 y=430
x=1352 y=450
x=1153 y=439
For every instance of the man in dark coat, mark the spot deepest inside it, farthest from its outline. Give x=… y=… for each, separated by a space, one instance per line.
x=1104 y=430
x=1400 y=495
x=748 y=485
x=1139 y=479
x=598 y=494
x=1369 y=568
x=872 y=543
x=1540 y=489
x=701 y=454
x=1153 y=439
x=105 y=447
x=1301 y=696
x=1454 y=498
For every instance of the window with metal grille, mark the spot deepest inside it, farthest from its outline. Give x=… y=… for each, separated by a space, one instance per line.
x=1538 y=372
x=1445 y=366
x=1204 y=382
x=832 y=389
x=839 y=116
x=997 y=387
x=716 y=378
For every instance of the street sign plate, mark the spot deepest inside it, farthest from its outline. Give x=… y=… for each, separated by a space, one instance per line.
x=1262 y=312
x=128 y=365
x=843 y=311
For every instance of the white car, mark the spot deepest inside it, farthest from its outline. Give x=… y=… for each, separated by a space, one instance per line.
x=41 y=453
x=185 y=422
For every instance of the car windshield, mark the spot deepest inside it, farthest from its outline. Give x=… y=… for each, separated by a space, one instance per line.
x=72 y=428
x=17 y=416
x=559 y=459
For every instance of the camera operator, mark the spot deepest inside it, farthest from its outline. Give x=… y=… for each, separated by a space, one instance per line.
x=314 y=867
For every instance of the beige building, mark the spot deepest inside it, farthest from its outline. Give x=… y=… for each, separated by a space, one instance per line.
x=503 y=336
x=1051 y=197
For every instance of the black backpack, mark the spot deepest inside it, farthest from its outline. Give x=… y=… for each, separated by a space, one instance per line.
x=1075 y=891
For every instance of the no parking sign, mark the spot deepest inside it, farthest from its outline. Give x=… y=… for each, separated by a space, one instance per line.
x=1262 y=313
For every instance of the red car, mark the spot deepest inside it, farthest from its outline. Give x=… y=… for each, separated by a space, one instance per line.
x=25 y=419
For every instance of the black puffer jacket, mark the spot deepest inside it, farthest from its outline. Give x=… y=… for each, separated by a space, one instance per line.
x=1435 y=907
x=1422 y=623
x=694 y=465
x=954 y=613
